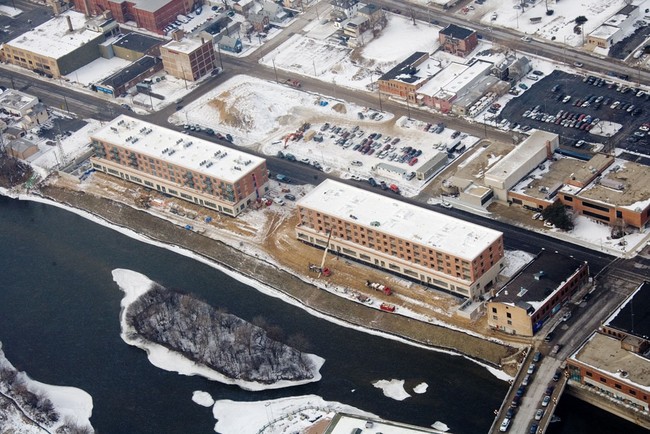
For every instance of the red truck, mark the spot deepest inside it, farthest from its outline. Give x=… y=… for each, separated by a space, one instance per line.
x=292 y=82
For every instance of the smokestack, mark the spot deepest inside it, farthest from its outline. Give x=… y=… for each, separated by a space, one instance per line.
x=69 y=23
x=87 y=8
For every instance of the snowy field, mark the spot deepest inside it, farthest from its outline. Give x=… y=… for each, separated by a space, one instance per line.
x=330 y=62
x=557 y=27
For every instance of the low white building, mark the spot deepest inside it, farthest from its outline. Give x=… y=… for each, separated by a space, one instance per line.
x=519 y=162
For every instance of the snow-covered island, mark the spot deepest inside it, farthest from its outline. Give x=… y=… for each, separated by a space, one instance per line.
x=183 y=334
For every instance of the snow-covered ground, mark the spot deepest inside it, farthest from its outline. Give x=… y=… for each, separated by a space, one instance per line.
x=284 y=415
x=557 y=27
x=316 y=56
x=72 y=404
x=134 y=285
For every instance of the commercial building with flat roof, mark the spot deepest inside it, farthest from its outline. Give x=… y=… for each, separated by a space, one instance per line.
x=17 y=102
x=133 y=46
x=152 y=15
x=614 y=362
x=422 y=245
x=57 y=47
x=536 y=293
x=408 y=76
x=196 y=170
x=343 y=423
x=189 y=58
x=505 y=174
x=120 y=82
x=604 y=188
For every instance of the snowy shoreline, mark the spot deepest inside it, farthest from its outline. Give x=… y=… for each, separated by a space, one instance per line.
x=258 y=285
x=133 y=285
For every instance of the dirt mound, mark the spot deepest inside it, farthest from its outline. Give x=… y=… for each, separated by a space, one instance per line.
x=228 y=113
x=339 y=108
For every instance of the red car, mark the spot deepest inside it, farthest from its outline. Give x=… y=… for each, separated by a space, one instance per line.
x=413 y=161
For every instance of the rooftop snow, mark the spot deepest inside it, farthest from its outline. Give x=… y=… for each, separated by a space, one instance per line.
x=634 y=178
x=556 y=269
x=447 y=234
x=346 y=423
x=16 y=100
x=468 y=75
x=515 y=159
x=152 y=144
x=604 y=353
x=186 y=45
x=604 y=32
x=53 y=38
x=443 y=78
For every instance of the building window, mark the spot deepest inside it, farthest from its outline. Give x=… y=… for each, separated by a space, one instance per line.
x=494 y=310
x=603 y=380
x=509 y=322
x=508 y=315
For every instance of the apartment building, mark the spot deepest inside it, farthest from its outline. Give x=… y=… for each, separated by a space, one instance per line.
x=196 y=170
x=419 y=244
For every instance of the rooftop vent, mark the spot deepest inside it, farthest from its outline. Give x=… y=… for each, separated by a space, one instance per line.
x=540 y=275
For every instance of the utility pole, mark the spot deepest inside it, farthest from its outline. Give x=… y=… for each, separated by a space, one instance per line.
x=220 y=59
x=275 y=70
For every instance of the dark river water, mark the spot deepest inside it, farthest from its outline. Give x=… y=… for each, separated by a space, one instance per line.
x=59 y=322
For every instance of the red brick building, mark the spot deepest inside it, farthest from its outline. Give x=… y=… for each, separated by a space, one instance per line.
x=152 y=15
x=457 y=40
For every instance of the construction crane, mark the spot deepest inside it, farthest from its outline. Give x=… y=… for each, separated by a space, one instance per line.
x=325 y=271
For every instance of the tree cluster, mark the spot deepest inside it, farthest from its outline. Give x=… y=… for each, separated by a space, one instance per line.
x=36 y=405
x=221 y=341
x=558 y=215
x=13 y=171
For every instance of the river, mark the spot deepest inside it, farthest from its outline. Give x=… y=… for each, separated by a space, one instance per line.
x=59 y=322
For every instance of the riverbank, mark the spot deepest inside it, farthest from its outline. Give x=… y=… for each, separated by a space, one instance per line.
x=269 y=273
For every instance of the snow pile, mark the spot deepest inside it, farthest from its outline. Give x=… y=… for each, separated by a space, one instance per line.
x=421 y=388
x=514 y=261
x=393 y=389
x=202 y=398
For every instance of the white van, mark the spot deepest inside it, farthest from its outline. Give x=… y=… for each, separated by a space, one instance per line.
x=504 y=425
x=279 y=201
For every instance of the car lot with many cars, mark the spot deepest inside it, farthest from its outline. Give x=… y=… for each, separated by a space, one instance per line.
x=575 y=107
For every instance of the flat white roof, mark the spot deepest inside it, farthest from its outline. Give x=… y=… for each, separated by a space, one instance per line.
x=604 y=32
x=227 y=164
x=429 y=228
x=345 y=424
x=17 y=100
x=467 y=76
x=520 y=155
x=443 y=78
x=186 y=45
x=53 y=38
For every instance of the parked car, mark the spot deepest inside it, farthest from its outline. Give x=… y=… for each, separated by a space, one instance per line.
x=539 y=414
x=531 y=368
x=546 y=400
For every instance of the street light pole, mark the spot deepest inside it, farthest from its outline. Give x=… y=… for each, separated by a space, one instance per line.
x=220 y=59
x=275 y=70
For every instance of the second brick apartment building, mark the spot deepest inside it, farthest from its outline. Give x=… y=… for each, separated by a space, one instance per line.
x=422 y=245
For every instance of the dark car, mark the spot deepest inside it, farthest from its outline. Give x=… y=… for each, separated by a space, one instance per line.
x=511 y=412
x=537 y=357
x=533 y=428
x=549 y=390
x=557 y=375
x=515 y=401
x=548 y=337
x=289 y=196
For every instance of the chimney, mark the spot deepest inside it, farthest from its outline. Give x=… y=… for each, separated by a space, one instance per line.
x=69 y=23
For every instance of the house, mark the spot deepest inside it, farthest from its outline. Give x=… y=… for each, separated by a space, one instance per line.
x=259 y=20
x=457 y=40
x=347 y=8
x=21 y=148
x=374 y=13
x=244 y=7
x=36 y=116
x=230 y=44
x=276 y=12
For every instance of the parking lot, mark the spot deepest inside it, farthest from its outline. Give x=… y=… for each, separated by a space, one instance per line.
x=32 y=15
x=582 y=101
